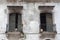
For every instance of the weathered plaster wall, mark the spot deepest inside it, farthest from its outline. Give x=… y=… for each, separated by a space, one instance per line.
x=57 y=17
x=3 y=22
x=30 y=16
x=3 y=18
x=31 y=19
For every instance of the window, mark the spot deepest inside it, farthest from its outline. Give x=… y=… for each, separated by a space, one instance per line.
x=15 y=19
x=15 y=22
x=46 y=22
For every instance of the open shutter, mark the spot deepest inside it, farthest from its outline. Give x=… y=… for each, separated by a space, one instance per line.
x=20 y=22
x=49 y=22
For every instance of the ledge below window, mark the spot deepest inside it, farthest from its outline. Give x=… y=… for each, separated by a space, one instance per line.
x=48 y=34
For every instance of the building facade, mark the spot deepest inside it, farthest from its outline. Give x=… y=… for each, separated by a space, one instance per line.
x=29 y=20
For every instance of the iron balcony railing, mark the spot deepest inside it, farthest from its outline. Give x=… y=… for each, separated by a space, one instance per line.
x=48 y=27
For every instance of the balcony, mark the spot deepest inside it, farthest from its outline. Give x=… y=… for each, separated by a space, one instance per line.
x=50 y=31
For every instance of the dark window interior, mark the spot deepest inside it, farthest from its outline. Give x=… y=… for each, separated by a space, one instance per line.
x=43 y=21
x=16 y=22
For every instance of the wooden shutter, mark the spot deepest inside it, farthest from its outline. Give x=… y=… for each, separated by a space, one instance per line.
x=49 y=22
x=20 y=22
x=12 y=22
